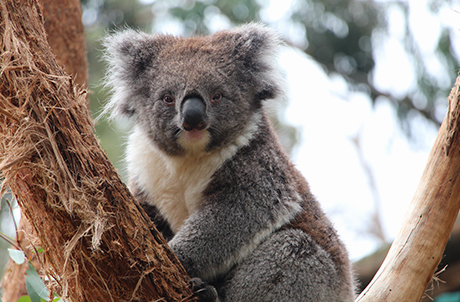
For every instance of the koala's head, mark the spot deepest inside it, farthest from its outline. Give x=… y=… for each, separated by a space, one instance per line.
x=197 y=93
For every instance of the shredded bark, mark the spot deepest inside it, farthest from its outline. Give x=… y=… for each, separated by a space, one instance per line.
x=97 y=245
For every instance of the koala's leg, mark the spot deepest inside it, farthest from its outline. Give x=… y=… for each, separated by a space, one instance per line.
x=288 y=266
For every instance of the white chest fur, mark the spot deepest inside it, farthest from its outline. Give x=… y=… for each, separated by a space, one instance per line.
x=173 y=184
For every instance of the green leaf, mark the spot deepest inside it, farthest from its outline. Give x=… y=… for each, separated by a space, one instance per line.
x=36 y=285
x=33 y=296
x=38 y=250
x=24 y=299
x=17 y=256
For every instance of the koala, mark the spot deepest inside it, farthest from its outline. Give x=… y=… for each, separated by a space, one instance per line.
x=204 y=162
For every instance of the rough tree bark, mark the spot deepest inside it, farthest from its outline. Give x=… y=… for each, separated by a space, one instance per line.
x=66 y=37
x=96 y=242
x=417 y=250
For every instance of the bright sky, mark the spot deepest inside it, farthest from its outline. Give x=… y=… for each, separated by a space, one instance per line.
x=329 y=118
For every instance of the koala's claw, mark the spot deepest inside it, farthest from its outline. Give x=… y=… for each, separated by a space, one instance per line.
x=203 y=291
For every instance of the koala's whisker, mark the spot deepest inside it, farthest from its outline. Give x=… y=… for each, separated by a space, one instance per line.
x=176 y=132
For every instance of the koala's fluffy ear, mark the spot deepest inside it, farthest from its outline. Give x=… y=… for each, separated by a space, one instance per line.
x=128 y=55
x=255 y=49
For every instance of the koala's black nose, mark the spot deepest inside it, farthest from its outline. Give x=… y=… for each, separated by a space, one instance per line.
x=193 y=113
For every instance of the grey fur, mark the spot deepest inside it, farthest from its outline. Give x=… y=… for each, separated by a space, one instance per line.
x=235 y=210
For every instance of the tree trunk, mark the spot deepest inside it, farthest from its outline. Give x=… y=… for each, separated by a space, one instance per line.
x=66 y=37
x=419 y=245
x=97 y=245
x=68 y=44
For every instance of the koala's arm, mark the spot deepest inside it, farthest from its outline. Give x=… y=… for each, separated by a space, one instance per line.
x=213 y=239
x=240 y=212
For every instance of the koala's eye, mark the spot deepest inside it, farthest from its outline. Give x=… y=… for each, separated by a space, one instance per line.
x=216 y=98
x=168 y=100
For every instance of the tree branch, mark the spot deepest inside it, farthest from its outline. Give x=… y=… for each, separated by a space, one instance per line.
x=418 y=247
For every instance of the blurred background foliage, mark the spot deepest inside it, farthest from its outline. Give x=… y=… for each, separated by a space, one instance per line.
x=341 y=35
x=344 y=36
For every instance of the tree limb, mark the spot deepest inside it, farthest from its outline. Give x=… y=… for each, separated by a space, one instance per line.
x=419 y=245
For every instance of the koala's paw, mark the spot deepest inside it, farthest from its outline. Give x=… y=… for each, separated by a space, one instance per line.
x=203 y=291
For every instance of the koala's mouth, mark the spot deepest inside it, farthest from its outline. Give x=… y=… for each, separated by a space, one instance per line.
x=195 y=135
x=194 y=140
